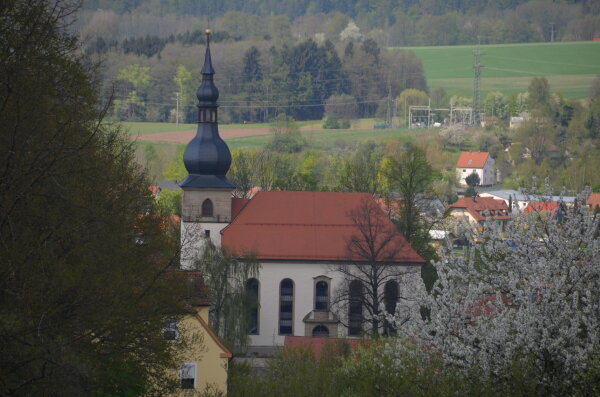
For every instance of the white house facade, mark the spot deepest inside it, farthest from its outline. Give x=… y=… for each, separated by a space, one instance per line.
x=480 y=163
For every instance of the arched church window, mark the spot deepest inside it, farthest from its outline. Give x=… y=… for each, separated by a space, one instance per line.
x=286 y=307
x=355 y=308
x=391 y=295
x=252 y=290
x=320 y=331
x=321 y=296
x=207 y=208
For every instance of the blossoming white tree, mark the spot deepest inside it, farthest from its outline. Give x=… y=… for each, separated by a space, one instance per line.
x=526 y=294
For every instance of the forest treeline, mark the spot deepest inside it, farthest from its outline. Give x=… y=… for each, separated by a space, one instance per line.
x=389 y=22
x=258 y=82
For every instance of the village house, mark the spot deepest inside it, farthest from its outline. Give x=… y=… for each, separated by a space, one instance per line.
x=205 y=359
x=299 y=238
x=480 y=163
x=476 y=210
x=520 y=200
x=593 y=201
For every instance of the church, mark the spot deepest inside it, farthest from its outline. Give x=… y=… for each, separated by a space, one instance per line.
x=314 y=248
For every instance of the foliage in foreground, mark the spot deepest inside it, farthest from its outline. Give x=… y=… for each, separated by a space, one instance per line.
x=380 y=369
x=82 y=250
x=525 y=296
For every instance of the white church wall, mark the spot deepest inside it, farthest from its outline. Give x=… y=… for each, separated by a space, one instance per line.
x=303 y=275
x=193 y=238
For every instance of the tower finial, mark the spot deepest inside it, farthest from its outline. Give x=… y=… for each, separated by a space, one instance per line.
x=207 y=69
x=207 y=32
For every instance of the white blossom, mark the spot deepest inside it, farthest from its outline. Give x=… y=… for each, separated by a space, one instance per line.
x=530 y=293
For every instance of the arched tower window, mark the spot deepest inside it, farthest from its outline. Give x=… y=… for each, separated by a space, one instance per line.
x=252 y=290
x=322 y=295
x=286 y=307
x=391 y=295
x=355 y=308
x=207 y=208
x=320 y=331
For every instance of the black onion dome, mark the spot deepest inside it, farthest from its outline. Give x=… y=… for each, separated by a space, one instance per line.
x=207 y=157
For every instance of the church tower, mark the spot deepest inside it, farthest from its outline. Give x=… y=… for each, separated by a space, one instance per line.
x=206 y=207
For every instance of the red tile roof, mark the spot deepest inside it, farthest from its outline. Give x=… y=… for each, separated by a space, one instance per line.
x=547 y=206
x=314 y=226
x=320 y=345
x=472 y=159
x=477 y=207
x=593 y=200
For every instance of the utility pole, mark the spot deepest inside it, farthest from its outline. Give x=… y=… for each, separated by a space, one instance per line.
x=388 y=116
x=552 y=32
x=177 y=109
x=477 y=86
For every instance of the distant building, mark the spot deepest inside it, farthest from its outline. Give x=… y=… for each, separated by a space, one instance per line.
x=516 y=122
x=476 y=210
x=520 y=200
x=548 y=207
x=593 y=200
x=204 y=363
x=480 y=163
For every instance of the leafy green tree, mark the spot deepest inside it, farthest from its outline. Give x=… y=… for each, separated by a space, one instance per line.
x=594 y=88
x=252 y=70
x=495 y=104
x=410 y=175
x=226 y=277
x=359 y=172
x=175 y=170
x=183 y=80
x=83 y=252
x=285 y=135
x=593 y=121
x=241 y=172
x=539 y=92
x=473 y=180
x=138 y=79
x=169 y=202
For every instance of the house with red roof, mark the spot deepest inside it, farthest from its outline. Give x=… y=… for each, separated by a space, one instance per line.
x=548 y=207
x=480 y=163
x=593 y=200
x=300 y=239
x=476 y=210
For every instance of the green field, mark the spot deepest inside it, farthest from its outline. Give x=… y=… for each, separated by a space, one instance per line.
x=569 y=67
x=142 y=128
x=323 y=140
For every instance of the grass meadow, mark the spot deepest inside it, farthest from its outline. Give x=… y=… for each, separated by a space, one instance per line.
x=569 y=67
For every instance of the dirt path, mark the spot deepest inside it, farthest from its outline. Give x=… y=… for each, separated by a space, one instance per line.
x=186 y=136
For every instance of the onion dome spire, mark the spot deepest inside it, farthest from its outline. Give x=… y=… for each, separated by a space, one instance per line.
x=207 y=157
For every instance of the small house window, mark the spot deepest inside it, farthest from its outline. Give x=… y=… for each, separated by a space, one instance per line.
x=188 y=376
x=207 y=233
x=170 y=330
x=322 y=296
x=207 y=208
